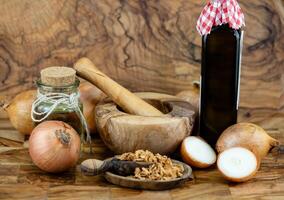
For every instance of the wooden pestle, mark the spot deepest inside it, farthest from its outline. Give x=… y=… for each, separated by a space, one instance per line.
x=128 y=101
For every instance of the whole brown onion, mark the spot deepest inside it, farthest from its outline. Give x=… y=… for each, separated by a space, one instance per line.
x=54 y=146
x=90 y=95
x=19 y=111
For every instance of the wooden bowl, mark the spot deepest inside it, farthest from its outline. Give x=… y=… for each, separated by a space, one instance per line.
x=150 y=184
x=123 y=132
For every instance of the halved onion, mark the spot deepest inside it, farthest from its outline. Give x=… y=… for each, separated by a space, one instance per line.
x=197 y=153
x=237 y=164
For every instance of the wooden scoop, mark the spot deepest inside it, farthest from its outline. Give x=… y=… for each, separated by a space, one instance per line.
x=115 y=165
x=128 y=101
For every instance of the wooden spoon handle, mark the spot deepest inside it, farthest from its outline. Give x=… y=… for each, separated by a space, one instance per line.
x=115 y=165
x=95 y=167
x=128 y=101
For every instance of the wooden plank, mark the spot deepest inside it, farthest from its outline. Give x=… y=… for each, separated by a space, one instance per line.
x=266 y=118
x=8 y=174
x=78 y=192
x=210 y=175
x=270 y=173
x=125 y=194
x=3 y=114
x=7 y=149
x=10 y=143
x=12 y=135
x=202 y=191
x=5 y=124
x=15 y=156
x=20 y=191
x=30 y=174
x=257 y=190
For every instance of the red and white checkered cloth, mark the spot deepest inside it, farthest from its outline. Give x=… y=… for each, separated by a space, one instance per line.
x=218 y=12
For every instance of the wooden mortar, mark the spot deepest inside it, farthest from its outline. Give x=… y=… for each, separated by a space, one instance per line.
x=123 y=132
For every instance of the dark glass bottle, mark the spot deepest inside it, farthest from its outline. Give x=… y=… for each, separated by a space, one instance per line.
x=220 y=76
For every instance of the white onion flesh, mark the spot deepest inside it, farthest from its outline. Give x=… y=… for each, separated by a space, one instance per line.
x=237 y=162
x=198 y=150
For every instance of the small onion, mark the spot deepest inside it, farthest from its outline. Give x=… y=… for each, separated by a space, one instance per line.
x=19 y=111
x=192 y=96
x=90 y=95
x=54 y=146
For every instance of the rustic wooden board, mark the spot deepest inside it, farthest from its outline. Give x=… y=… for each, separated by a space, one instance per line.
x=144 y=45
x=21 y=179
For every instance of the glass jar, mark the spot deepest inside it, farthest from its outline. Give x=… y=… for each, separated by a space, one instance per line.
x=62 y=111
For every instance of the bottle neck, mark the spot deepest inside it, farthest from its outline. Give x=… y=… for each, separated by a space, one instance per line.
x=223 y=27
x=45 y=89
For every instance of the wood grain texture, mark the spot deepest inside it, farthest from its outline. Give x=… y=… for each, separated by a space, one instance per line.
x=21 y=179
x=128 y=194
x=144 y=45
x=20 y=191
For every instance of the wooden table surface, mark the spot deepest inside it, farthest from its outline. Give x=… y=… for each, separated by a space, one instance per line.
x=20 y=179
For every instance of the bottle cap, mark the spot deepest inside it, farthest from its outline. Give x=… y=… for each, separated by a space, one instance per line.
x=58 y=76
x=218 y=12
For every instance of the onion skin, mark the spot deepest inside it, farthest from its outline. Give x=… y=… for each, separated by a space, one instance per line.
x=189 y=160
x=52 y=152
x=246 y=135
x=191 y=96
x=240 y=180
x=19 y=111
x=90 y=97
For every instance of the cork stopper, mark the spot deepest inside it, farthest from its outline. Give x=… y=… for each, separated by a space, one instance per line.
x=58 y=76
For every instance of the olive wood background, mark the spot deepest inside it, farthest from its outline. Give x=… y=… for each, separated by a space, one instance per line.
x=144 y=45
